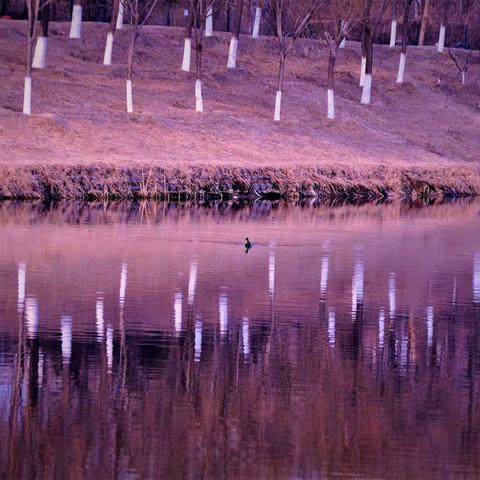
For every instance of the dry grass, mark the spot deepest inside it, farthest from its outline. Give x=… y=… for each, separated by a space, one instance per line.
x=416 y=138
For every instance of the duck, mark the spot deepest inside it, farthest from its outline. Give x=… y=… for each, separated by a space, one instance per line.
x=248 y=244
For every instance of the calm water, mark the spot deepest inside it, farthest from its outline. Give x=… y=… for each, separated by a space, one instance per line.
x=141 y=341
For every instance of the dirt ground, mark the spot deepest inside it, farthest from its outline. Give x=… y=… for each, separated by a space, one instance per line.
x=79 y=113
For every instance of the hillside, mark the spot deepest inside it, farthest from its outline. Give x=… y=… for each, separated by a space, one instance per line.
x=428 y=127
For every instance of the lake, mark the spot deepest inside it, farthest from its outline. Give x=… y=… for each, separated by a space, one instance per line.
x=141 y=340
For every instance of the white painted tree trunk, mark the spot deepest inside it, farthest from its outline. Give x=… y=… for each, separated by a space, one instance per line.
x=76 y=24
x=256 y=22
x=232 y=53
x=393 y=34
x=198 y=96
x=441 y=39
x=463 y=78
x=278 y=106
x=129 y=97
x=27 y=96
x=343 y=43
x=209 y=23
x=331 y=104
x=107 y=58
x=40 y=56
x=121 y=10
x=401 y=68
x=367 y=90
x=187 y=55
x=363 y=66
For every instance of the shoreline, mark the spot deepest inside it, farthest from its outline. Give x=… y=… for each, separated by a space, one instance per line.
x=104 y=181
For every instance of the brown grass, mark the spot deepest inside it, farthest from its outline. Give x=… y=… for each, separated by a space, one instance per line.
x=417 y=138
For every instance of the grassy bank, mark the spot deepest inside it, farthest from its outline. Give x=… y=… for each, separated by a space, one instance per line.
x=109 y=181
x=416 y=139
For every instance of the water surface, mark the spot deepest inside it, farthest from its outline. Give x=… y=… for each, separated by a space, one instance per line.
x=141 y=341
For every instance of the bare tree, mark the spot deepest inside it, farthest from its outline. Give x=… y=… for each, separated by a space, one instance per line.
x=258 y=18
x=40 y=56
x=292 y=19
x=187 y=48
x=462 y=60
x=393 y=28
x=403 y=55
x=232 y=52
x=338 y=18
x=201 y=10
x=423 y=26
x=138 y=12
x=107 y=57
x=76 y=23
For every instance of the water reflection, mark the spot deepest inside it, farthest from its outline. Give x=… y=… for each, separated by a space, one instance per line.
x=476 y=278
x=223 y=313
x=66 y=328
x=177 y=311
x=376 y=374
x=22 y=272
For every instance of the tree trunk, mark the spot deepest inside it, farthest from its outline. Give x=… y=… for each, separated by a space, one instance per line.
x=76 y=23
x=199 y=71
x=258 y=17
x=278 y=98
x=27 y=89
x=403 y=55
x=40 y=56
x=330 y=90
x=441 y=38
x=443 y=27
x=423 y=26
x=209 y=22
x=167 y=13
x=393 y=30
x=187 y=48
x=107 y=58
x=363 y=64
x=232 y=54
x=131 y=48
x=367 y=50
x=367 y=85
x=121 y=12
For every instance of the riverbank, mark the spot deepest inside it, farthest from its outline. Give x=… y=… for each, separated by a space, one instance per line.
x=416 y=139
x=104 y=181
